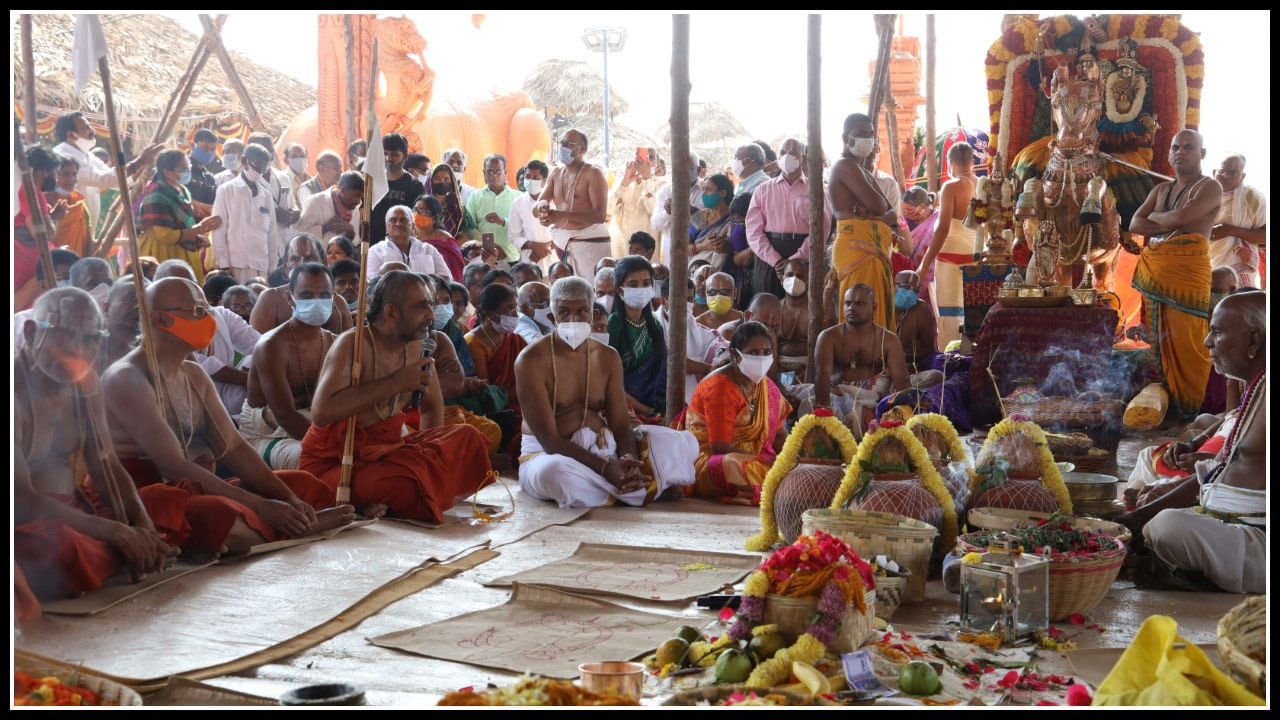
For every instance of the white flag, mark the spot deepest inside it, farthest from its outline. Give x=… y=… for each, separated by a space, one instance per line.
x=375 y=163
x=89 y=46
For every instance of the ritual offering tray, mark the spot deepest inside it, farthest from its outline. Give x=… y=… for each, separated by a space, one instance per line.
x=904 y=539
x=1086 y=410
x=1092 y=460
x=989 y=518
x=40 y=684
x=533 y=690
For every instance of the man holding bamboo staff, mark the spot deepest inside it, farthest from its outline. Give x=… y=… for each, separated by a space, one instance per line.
x=415 y=475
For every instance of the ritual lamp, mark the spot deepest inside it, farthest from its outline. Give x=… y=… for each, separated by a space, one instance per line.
x=1006 y=592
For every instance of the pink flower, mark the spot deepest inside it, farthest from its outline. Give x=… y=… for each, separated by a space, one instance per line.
x=726 y=614
x=1009 y=680
x=1078 y=694
x=971 y=685
x=1076 y=619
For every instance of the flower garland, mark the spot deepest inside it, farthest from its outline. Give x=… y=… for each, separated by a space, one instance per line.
x=941 y=424
x=920 y=461
x=785 y=462
x=819 y=564
x=1050 y=476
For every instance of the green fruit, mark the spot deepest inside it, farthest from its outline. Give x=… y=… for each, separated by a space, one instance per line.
x=672 y=651
x=688 y=633
x=766 y=645
x=733 y=666
x=919 y=678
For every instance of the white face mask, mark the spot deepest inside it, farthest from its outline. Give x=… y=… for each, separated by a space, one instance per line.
x=737 y=168
x=794 y=286
x=607 y=302
x=573 y=333
x=533 y=187
x=566 y=155
x=359 y=160
x=788 y=164
x=298 y=165
x=508 y=323
x=231 y=161
x=543 y=317
x=85 y=143
x=862 y=147
x=636 y=298
x=602 y=338
x=755 y=367
x=252 y=175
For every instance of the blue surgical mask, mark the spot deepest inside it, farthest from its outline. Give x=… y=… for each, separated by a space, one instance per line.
x=204 y=157
x=185 y=177
x=444 y=313
x=699 y=299
x=313 y=311
x=905 y=299
x=566 y=155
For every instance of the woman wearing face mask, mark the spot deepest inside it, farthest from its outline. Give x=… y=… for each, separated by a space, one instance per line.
x=494 y=343
x=426 y=227
x=453 y=219
x=922 y=218
x=709 y=227
x=737 y=414
x=167 y=227
x=73 y=230
x=637 y=336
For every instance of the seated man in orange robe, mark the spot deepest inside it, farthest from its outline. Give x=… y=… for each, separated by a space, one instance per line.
x=171 y=427
x=69 y=536
x=418 y=475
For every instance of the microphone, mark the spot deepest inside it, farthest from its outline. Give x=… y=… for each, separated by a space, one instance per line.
x=428 y=348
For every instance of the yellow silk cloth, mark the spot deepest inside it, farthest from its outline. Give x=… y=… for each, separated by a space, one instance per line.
x=862 y=255
x=161 y=243
x=458 y=415
x=1174 y=277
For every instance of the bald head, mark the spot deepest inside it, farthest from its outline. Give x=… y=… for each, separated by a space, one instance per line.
x=909 y=279
x=763 y=302
x=1237 y=338
x=61 y=306
x=1186 y=153
x=174 y=292
x=1230 y=174
x=532 y=293
x=174 y=269
x=64 y=334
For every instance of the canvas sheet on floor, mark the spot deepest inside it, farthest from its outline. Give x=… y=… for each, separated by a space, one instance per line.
x=538 y=630
x=231 y=610
x=461 y=530
x=643 y=573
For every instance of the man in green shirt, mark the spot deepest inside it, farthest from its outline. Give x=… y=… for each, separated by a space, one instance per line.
x=490 y=206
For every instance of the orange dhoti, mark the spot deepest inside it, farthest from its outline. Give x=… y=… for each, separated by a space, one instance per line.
x=1174 y=278
x=417 y=476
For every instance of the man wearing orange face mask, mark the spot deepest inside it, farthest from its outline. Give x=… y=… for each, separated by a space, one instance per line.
x=69 y=536
x=176 y=438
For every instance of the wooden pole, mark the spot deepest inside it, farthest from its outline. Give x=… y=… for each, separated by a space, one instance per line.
x=884 y=27
x=37 y=220
x=228 y=67
x=677 y=314
x=349 y=34
x=931 y=107
x=117 y=152
x=817 y=229
x=891 y=129
x=28 y=80
x=343 y=494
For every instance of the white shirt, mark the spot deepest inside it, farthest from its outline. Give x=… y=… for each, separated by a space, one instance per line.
x=522 y=226
x=316 y=211
x=20 y=319
x=530 y=329
x=93 y=173
x=891 y=191
x=661 y=219
x=751 y=182
x=224 y=177
x=233 y=335
x=464 y=192
x=248 y=226
x=700 y=340
x=422 y=258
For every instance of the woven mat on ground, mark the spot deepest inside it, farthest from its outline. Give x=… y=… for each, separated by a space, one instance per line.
x=230 y=611
x=181 y=691
x=117 y=588
x=461 y=530
x=538 y=630
x=643 y=573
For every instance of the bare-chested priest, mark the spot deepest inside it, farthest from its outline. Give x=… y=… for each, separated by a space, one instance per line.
x=860 y=358
x=573 y=205
x=177 y=439
x=863 y=244
x=70 y=536
x=578 y=447
x=416 y=475
x=286 y=370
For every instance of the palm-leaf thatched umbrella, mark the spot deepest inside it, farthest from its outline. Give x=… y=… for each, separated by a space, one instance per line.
x=148 y=54
x=571 y=88
x=714 y=133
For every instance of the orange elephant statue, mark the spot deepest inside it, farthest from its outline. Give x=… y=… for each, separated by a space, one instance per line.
x=505 y=122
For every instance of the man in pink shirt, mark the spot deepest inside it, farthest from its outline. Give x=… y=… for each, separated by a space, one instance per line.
x=778 y=220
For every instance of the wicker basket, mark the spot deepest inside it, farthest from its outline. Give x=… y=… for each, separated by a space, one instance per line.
x=1093 y=461
x=1076 y=585
x=1078 y=412
x=989 y=518
x=1242 y=644
x=889 y=591
x=108 y=691
x=908 y=541
x=794 y=615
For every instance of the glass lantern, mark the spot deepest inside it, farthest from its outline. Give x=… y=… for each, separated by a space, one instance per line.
x=1006 y=593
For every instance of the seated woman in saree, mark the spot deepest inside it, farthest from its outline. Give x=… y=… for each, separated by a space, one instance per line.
x=494 y=343
x=737 y=415
x=427 y=212
x=453 y=219
x=709 y=227
x=638 y=337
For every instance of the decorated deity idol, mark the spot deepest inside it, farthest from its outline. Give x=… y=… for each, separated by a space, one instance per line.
x=990 y=212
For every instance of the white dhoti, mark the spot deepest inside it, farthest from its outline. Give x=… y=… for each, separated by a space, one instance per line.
x=948 y=282
x=1232 y=556
x=584 y=248
x=548 y=476
x=851 y=403
x=273 y=443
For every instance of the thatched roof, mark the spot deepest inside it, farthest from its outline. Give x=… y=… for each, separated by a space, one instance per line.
x=714 y=133
x=623 y=140
x=571 y=88
x=147 y=55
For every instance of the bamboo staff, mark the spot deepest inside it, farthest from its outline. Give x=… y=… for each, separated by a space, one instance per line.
x=117 y=151
x=37 y=220
x=343 y=494
x=28 y=80
x=931 y=107
x=348 y=34
x=884 y=26
x=817 y=229
x=677 y=317
x=229 y=68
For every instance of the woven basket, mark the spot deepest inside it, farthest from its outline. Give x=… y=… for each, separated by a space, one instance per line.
x=1060 y=411
x=1093 y=461
x=108 y=691
x=889 y=591
x=793 y=616
x=908 y=541
x=1063 y=444
x=989 y=518
x=1242 y=644
x=1076 y=585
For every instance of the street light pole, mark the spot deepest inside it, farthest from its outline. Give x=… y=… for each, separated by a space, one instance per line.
x=602 y=40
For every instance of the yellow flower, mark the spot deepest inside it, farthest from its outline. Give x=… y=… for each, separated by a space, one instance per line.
x=1050 y=476
x=764 y=629
x=784 y=463
x=757 y=584
x=972 y=558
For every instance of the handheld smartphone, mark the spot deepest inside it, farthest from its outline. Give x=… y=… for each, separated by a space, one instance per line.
x=486 y=242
